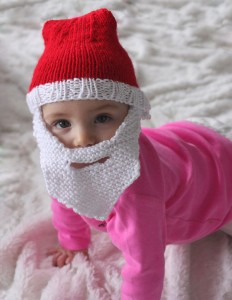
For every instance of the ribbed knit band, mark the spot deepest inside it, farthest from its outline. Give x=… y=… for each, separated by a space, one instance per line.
x=102 y=89
x=80 y=53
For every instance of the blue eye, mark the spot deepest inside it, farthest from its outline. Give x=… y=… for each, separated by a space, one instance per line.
x=102 y=119
x=62 y=124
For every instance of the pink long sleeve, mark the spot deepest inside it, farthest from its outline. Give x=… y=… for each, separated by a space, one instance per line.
x=138 y=230
x=73 y=231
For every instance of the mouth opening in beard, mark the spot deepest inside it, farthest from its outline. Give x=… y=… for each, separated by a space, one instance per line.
x=84 y=165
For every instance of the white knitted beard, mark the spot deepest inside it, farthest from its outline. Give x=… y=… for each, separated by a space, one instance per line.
x=93 y=190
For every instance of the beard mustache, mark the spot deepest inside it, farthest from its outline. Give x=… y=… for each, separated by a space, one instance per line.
x=90 y=180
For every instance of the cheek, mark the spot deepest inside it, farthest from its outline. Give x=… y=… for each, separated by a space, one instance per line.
x=109 y=133
x=64 y=139
x=106 y=135
x=65 y=142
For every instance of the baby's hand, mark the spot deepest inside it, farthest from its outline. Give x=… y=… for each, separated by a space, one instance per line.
x=62 y=256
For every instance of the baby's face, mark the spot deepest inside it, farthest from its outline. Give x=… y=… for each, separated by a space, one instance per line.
x=83 y=123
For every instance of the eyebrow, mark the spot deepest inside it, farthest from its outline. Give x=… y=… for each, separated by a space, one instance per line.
x=55 y=115
x=104 y=106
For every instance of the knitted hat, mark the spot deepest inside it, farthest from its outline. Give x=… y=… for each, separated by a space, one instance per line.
x=83 y=59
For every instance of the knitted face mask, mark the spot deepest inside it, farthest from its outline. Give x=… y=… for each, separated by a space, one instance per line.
x=83 y=60
x=91 y=191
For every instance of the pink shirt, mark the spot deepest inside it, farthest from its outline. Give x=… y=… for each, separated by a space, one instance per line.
x=184 y=192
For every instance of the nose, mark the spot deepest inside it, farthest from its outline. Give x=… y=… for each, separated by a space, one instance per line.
x=84 y=137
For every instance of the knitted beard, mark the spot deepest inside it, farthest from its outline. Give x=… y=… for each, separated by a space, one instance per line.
x=91 y=191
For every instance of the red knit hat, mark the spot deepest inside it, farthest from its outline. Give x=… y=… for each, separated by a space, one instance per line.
x=83 y=59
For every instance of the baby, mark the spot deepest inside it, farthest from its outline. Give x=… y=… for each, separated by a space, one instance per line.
x=145 y=187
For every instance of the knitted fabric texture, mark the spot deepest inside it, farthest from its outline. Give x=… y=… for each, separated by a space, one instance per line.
x=91 y=191
x=83 y=59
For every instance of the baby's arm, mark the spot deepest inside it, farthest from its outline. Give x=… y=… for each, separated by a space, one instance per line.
x=73 y=234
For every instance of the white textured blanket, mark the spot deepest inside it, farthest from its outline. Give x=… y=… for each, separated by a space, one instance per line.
x=182 y=51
